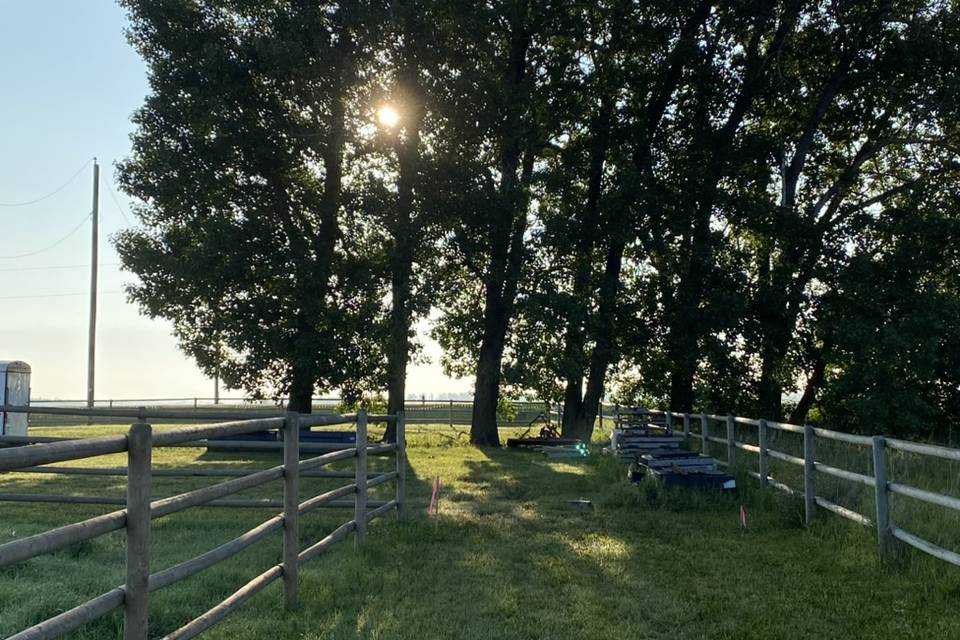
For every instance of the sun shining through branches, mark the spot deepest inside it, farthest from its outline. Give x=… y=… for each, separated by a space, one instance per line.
x=388 y=116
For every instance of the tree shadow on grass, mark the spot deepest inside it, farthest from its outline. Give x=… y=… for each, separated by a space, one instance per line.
x=507 y=557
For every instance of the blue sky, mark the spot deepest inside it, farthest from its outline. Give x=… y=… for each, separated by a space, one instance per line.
x=68 y=84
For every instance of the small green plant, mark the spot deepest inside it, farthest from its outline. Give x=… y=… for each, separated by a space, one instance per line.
x=506 y=410
x=374 y=403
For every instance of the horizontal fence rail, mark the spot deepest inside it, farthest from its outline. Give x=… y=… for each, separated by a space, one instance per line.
x=52 y=413
x=883 y=486
x=140 y=508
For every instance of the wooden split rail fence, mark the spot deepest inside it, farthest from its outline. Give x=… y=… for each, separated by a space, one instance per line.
x=420 y=412
x=140 y=508
x=883 y=485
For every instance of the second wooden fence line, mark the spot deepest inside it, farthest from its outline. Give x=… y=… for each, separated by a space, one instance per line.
x=139 y=444
x=887 y=530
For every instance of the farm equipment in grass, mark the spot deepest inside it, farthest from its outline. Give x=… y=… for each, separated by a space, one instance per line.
x=549 y=441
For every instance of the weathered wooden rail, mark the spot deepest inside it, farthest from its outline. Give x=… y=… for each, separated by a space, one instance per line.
x=140 y=508
x=887 y=530
x=420 y=412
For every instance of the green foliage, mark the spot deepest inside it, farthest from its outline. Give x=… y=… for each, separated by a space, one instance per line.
x=688 y=203
x=772 y=257
x=372 y=403
x=893 y=326
x=506 y=410
x=245 y=243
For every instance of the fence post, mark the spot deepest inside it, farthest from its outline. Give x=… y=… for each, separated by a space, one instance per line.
x=136 y=601
x=704 y=434
x=291 y=508
x=401 y=464
x=451 y=415
x=731 y=439
x=669 y=423
x=686 y=427
x=882 y=495
x=809 y=477
x=360 y=506
x=762 y=440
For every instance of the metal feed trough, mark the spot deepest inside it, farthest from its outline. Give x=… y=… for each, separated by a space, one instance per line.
x=646 y=441
x=310 y=441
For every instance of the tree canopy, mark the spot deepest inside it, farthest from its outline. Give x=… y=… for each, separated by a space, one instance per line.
x=741 y=206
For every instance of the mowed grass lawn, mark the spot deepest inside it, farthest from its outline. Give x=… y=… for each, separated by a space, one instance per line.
x=506 y=557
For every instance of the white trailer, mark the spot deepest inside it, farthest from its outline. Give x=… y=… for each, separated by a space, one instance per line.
x=14 y=391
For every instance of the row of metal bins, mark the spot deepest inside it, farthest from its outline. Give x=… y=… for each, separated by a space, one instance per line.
x=652 y=451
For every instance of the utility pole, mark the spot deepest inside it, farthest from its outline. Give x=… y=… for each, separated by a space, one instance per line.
x=216 y=374
x=94 y=259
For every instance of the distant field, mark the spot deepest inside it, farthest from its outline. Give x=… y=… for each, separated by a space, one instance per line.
x=506 y=558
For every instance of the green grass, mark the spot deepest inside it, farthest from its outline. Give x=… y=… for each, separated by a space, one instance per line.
x=937 y=524
x=505 y=558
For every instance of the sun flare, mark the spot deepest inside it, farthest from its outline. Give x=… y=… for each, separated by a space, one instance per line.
x=388 y=116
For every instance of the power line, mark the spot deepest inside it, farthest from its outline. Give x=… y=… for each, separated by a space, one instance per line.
x=57 y=295
x=52 y=193
x=113 y=196
x=58 y=266
x=47 y=248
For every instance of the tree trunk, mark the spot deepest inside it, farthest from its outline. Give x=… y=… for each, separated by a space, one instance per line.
x=814 y=382
x=398 y=347
x=301 y=389
x=769 y=390
x=604 y=349
x=572 y=406
x=315 y=285
x=776 y=329
x=779 y=306
x=404 y=231
x=575 y=338
x=486 y=398
x=501 y=291
x=605 y=346
x=506 y=249
x=683 y=339
x=686 y=325
x=682 y=375
x=687 y=328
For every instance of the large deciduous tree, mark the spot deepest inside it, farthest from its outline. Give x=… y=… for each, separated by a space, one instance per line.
x=410 y=219
x=239 y=158
x=595 y=197
x=492 y=113
x=802 y=123
x=713 y=200
x=851 y=117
